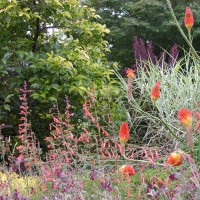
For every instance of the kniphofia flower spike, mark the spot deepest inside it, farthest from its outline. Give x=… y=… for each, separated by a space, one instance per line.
x=124 y=133
x=174 y=159
x=189 y=19
x=185 y=117
x=155 y=91
x=130 y=73
x=127 y=169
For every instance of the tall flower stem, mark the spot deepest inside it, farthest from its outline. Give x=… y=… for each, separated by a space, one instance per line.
x=129 y=89
x=130 y=75
x=190 y=36
x=190 y=141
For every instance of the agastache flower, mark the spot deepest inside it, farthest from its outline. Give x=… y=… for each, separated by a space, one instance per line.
x=20 y=159
x=127 y=169
x=174 y=159
x=189 y=19
x=124 y=133
x=185 y=117
x=155 y=91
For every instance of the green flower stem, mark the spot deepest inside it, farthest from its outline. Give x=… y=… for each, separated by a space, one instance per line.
x=190 y=142
x=190 y=36
x=181 y=31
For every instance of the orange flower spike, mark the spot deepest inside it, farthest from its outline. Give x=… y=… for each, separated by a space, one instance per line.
x=189 y=19
x=130 y=73
x=127 y=169
x=155 y=91
x=174 y=159
x=124 y=133
x=185 y=117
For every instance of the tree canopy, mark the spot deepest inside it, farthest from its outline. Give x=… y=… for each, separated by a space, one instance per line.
x=57 y=47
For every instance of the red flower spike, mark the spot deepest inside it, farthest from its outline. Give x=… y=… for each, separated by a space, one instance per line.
x=124 y=133
x=189 y=19
x=130 y=73
x=155 y=91
x=185 y=117
x=174 y=159
x=127 y=169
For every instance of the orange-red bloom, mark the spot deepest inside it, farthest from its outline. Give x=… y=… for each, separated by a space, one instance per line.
x=130 y=73
x=185 y=117
x=189 y=19
x=155 y=91
x=174 y=159
x=127 y=169
x=124 y=133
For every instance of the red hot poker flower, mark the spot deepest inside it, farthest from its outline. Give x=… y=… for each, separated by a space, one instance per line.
x=124 y=133
x=155 y=91
x=127 y=169
x=130 y=73
x=185 y=117
x=189 y=19
x=174 y=159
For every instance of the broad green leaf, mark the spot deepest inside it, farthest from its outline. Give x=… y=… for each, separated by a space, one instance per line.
x=6 y=107
x=21 y=13
x=7 y=99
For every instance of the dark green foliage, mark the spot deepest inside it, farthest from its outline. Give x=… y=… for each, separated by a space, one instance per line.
x=146 y=19
x=57 y=48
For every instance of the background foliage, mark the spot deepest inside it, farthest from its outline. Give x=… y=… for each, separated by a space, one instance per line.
x=147 y=19
x=57 y=48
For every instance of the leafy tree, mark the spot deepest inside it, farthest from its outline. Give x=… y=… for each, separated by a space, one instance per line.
x=147 y=19
x=56 y=47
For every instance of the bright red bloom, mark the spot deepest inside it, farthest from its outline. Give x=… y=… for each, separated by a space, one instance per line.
x=185 y=117
x=130 y=73
x=174 y=159
x=127 y=169
x=155 y=91
x=189 y=19
x=124 y=133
